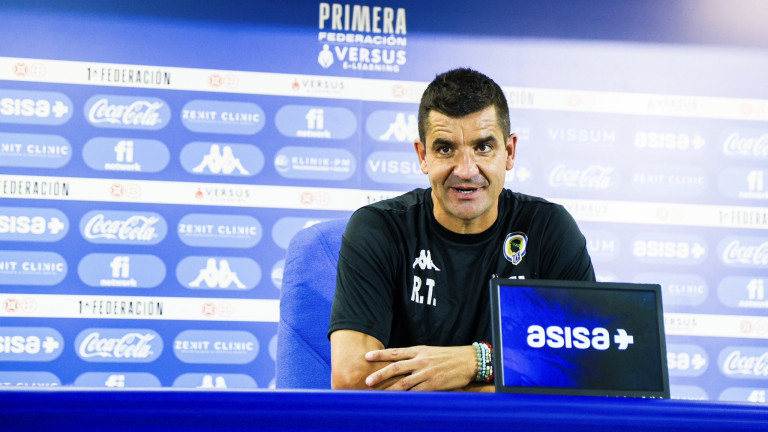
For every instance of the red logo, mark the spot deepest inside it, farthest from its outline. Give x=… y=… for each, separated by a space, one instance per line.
x=215 y=81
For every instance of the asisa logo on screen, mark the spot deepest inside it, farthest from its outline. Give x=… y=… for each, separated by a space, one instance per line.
x=123 y=227
x=578 y=337
x=127 y=112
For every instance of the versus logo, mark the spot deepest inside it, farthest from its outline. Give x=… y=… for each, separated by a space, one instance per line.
x=31 y=268
x=216 y=347
x=121 y=270
x=744 y=252
x=123 y=227
x=746 y=144
x=117 y=380
x=678 y=288
x=225 y=117
x=222 y=159
x=223 y=273
x=34 y=151
x=34 y=107
x=578 y=337
x=119 y=345
x=30 y=344
x=32 y=224
x=595 y=177
x=669 y=249
x=304 y=121
x=393 y=126
x=216 y=230
x=285 y=228
x=127 y=112
x=669 y=180
x=394 y=167
x=744 y=362
x=315 y=163
x=355 y=25
x=214 y=381
x=126 y=154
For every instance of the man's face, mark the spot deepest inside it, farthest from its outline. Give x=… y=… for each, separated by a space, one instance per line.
x=466 y=159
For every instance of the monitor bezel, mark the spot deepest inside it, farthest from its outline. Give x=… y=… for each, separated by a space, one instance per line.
x=495 y=287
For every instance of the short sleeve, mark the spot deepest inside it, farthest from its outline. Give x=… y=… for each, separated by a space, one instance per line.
x=365 y=276
x=565 y=254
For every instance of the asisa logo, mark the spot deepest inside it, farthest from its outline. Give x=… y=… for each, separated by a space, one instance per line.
x=123 y=227
x=32 y=224
x=127 y=112
x=36 y=344
x=515 y=246
x=118 y=345
x=578 y=337
x=34 y=107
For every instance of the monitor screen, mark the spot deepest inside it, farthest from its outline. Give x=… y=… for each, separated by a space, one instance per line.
x=579 y=338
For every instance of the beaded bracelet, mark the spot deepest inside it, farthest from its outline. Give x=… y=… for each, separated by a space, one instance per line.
x=484 y=352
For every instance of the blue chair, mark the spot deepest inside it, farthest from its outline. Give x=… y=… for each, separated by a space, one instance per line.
x=309 y=282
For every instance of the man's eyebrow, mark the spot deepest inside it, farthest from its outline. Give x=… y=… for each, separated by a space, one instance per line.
x=439 y=142
x=490 y=139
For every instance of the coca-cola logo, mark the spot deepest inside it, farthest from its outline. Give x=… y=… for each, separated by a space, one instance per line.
x=737 y=364
x=119 y=227
x=736 y=145
x=591 y=177
x=127 y=112
x=736 y=252
x=119 y=345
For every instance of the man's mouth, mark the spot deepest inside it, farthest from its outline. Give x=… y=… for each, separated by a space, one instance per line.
x=466 y=190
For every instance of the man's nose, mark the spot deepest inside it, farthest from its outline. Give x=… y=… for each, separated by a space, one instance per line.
x=466 y=166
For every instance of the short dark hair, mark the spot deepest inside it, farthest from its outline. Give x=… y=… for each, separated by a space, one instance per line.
x=460 y=92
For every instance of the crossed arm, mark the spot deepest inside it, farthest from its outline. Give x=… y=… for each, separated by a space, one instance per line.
x=360 y=361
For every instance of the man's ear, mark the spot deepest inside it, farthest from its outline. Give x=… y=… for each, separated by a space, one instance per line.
x=511 y=146
x=421 y=152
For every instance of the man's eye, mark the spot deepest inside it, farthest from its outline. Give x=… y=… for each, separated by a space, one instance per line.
x=444 y=150
x=484 y=148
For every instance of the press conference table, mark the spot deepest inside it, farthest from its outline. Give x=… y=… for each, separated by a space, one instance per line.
x=169 y=410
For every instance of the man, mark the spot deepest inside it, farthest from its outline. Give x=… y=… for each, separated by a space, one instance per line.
x=412 y=285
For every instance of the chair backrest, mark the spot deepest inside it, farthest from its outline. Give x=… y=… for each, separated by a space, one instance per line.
x=309 y=282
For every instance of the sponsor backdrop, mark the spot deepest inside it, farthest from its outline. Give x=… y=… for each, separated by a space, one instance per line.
x=154 y=164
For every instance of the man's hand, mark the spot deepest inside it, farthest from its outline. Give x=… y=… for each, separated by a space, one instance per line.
x=424 y=368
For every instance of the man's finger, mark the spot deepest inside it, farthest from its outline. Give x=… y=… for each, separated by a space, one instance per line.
x=390 y=354
x=392 y=370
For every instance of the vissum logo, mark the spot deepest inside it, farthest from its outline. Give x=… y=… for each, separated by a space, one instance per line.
x=577 y=337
